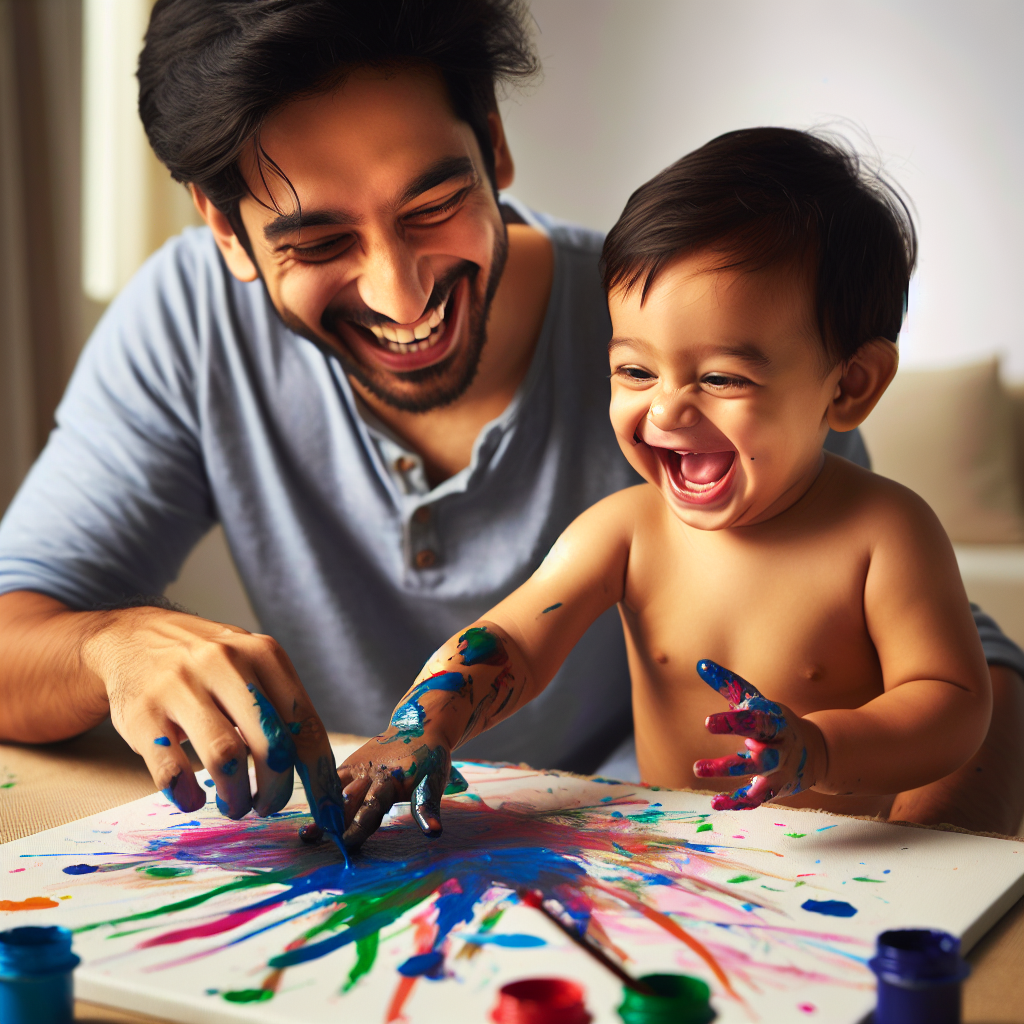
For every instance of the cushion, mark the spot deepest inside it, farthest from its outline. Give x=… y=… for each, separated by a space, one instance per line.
x=950 y=435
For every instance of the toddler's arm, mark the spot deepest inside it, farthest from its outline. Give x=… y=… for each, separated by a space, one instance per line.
x=487 y=671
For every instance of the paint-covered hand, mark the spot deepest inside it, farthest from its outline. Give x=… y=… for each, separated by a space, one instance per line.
x=382 y=773
x=777 y=742
x=171 y=677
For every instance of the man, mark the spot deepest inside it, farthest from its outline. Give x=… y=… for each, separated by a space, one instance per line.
x=386 y=382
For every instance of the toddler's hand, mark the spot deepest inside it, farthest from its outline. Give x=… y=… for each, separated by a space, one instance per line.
x=385 y=771
x=777 y=749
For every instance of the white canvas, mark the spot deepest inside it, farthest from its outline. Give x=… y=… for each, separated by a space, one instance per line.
x=661 y=881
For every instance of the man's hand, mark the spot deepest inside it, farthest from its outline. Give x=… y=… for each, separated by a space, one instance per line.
x=166 y=677
x=781 y=747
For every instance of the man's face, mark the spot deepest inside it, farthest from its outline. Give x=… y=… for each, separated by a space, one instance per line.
x=719 y=390
x=394 y=251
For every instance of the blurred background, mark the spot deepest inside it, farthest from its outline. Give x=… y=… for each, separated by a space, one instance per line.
x=931 y=89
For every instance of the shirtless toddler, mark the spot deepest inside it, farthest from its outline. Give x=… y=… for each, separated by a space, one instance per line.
x=756 y=290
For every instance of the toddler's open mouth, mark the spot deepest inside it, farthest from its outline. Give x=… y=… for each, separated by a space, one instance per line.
x=698 y=478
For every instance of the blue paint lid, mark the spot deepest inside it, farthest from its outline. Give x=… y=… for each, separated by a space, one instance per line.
x=919 y=958
x=36 y=950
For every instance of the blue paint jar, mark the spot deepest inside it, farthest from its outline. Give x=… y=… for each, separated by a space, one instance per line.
x=36 y=984
x=919 y=975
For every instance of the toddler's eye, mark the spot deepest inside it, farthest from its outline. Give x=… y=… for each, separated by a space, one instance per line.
x=635 y=373
x=721 y=380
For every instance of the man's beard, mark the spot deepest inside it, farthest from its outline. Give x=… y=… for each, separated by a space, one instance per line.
x=436 y=385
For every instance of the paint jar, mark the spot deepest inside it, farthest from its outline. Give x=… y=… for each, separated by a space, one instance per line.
x=36 y=985
x=540 y=1001
x=676 y=999
x=919 y=975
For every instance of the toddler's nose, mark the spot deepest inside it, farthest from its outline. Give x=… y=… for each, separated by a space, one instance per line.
x=672 y=412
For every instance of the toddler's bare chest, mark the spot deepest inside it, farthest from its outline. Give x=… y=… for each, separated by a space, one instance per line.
x=789 y=617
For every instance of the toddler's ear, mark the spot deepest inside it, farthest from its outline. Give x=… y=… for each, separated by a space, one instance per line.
x=862 y=383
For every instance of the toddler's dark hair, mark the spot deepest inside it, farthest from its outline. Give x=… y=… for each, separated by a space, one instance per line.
x=764 y=197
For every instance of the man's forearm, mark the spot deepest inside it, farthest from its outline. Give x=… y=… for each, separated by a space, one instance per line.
x=46 y=693
x=987 y=793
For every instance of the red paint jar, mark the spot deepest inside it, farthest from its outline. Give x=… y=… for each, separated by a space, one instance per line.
x=540 y=1001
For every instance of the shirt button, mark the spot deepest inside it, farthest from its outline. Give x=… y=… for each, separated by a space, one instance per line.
x=425 y=558
x=404 y=464
x=422 y=514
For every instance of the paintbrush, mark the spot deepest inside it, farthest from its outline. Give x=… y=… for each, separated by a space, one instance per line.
x=536 y=900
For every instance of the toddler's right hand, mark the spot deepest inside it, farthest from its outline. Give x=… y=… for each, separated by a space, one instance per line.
x=385 y=771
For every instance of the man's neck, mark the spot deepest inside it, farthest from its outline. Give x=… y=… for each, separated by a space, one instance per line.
x=444 y=437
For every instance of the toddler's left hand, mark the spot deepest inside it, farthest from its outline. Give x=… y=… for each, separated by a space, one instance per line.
x=777 y=747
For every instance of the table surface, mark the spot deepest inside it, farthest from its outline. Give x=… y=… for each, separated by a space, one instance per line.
x=46 y=786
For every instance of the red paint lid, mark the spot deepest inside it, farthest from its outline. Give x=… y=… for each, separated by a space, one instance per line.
x=541 y=1001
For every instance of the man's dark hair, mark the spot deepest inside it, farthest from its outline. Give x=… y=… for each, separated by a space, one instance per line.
x=764 y=197
x=212 y=71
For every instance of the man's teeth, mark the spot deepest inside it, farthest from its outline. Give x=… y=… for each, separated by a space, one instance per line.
x=412 y=339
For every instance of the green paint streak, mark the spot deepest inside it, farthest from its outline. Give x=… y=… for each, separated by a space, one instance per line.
x=877 y=881
x=798 y=884
x=366 y=954
x=249 y=882
x=249 y=995
x=481 y=645
x=6 y=785
x=165 y=872
x=646 y=817
x=742 y=878
x=491 y=920
x=795 y=835
x=456 y=783
x=706 y=827
x=770 y=889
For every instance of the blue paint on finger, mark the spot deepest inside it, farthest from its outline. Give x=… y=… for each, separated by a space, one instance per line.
x=229 y=767
x=456 y=783
x=222 y=806
x=280 y=745
x=552 y=607
x=162 y=741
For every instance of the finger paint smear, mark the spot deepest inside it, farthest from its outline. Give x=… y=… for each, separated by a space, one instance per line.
x=247 y=906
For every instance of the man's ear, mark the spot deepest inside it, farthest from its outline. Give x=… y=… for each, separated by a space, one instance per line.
x=231 y=248
x=862 y=383
x=504 y=168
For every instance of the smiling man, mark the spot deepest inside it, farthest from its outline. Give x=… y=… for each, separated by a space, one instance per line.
x=386 y=379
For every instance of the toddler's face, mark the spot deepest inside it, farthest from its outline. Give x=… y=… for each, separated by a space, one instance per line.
x=719 y=390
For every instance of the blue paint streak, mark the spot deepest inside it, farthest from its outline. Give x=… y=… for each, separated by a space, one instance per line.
x=162 y=741
x=831 y=908
x=280 y=745
x=408 y=717
x=551 y=608
x=428 y=964
x=825 y=829
x=194 y=823
x=506 y=941
x=81 y=869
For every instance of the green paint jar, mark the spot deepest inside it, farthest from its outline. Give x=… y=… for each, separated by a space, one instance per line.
x=677 y=999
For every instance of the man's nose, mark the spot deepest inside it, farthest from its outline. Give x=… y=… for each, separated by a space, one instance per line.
x=394 y=281
x=675 y=409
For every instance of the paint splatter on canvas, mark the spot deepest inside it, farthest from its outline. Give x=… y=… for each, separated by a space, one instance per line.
x=199 y=918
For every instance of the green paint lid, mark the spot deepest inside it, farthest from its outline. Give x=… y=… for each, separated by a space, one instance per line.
x=676 y=999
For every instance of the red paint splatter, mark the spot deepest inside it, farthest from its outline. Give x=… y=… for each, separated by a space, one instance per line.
x=807 y=1008
x=14 y=871
x=200 y=931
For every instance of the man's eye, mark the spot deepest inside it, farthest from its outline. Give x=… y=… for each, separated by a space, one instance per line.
x=441 y=209
x=326 y=249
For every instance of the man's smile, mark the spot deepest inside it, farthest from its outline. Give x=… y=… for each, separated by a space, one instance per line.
x=400 y=348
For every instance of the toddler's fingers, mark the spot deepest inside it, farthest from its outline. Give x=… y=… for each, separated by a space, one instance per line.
x=426 y=801
x=370 y=813
x=740 y=763
x=735 y=689
x=758 y=725
x=750 y=796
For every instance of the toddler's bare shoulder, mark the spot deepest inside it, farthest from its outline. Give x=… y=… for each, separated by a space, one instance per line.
x=881 y=504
